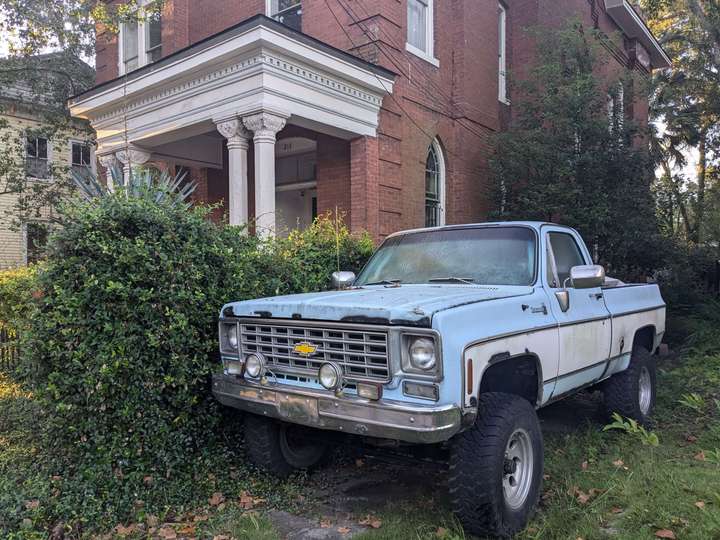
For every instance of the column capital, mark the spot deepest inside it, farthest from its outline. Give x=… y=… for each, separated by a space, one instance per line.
x=133 y=156
x=264 y=125
x=234 y=131
x=107 y=160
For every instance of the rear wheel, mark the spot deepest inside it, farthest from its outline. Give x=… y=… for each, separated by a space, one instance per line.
x=631 y=393
x=280 y=448
x=496 y=467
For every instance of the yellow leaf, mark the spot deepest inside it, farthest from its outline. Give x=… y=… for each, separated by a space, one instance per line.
x=665 y=533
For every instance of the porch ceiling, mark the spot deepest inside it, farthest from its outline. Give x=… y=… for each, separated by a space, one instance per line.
x=256 y=65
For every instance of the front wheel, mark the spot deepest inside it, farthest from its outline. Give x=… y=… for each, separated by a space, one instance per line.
x=280 y=448
x=496 y=467
x=631 y=393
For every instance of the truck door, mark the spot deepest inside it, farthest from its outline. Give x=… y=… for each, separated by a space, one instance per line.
x=585 y=328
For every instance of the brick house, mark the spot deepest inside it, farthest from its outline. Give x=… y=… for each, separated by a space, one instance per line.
x=283 y=109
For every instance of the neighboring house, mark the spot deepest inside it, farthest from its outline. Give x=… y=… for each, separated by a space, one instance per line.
x=283 y=109
x=36 y=149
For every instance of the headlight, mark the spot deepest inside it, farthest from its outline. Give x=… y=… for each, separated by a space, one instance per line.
x=330 y=376
x=255 y=366
x=230 y=337
x=422 y=353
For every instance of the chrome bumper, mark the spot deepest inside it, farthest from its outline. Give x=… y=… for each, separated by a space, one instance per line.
x=321 y=409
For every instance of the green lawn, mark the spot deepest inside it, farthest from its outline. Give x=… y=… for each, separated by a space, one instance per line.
x=599 y=484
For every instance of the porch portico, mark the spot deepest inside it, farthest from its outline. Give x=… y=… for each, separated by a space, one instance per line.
x=237 y=89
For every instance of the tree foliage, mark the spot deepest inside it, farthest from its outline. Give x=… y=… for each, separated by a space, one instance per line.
x=566 y=157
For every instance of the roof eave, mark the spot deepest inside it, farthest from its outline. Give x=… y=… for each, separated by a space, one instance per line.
x=633 y=26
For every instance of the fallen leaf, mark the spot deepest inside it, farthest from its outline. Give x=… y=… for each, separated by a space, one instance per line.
x=441 y=532
x=201 y=517
x=700 y=504
x=616 y=510
x=125 y=531
x=187 y=529
x=359 y=462
x=216 y=499
x=618 y=463
x=584 y=466
x=546 y=477
x=221 y=537
x=700 y=456
x=167 y=533
x=148 y=480
x=151 y=520
x=343 y=530
x=32 y=505
x=325 y=523
x=665 y=533
x=371 y=521
x=691 y=438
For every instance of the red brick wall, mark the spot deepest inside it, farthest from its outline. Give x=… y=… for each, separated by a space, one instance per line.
x=380 y=181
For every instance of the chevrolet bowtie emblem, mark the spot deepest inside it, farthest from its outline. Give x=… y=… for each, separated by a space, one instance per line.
x=305 y=348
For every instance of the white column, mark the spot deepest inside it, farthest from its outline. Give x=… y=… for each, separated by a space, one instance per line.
x=130 y=157
x=108 y=161
x=237 y=143
x=265 y=126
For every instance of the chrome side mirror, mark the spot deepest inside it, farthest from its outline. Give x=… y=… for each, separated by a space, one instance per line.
x=563 y=298
x=587 y=276
x=342 y=280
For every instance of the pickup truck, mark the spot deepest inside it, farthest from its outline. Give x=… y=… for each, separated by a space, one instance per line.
x=452 y=335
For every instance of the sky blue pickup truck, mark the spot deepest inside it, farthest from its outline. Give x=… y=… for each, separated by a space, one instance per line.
x=448 y=335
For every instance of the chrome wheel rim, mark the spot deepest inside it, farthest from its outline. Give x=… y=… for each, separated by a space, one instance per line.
x=645 y=390
x=518 y=469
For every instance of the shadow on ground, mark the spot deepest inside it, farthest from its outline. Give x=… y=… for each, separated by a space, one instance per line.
x=363 y=480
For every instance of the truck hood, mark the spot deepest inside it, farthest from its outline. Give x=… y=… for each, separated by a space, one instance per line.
x=410 y=305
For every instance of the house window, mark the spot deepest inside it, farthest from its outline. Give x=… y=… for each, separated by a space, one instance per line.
x=36 y=235
x=140 y=42
x=288 y=12
x=36 y=157
x=153 y=39
x=502 y=54
x=420 y=38
x=80 y=155
x=434 y=186
x=616 y=109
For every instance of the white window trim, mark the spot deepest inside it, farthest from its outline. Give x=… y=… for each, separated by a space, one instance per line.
x=435 y=145
x=93 y=161
x=429 y=55
x=49 y=159
x=268 y=9
x=502 y=55
x=142 y=43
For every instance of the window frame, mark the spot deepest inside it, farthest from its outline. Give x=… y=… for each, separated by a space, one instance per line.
x=48 y=159
x=91 y=150
x=550 y=255
x=143 y=54
x=436 y=148
x=269 y=10
x=502 y=55
x=429 y=54
x=47 y=226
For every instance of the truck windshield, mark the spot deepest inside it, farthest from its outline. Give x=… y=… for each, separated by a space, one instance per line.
x=477 y=256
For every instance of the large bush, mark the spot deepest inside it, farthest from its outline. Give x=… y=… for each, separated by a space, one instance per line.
x=126 y=337
x=17 y=286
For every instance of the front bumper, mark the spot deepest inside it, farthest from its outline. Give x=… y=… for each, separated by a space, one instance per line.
x=385 y=419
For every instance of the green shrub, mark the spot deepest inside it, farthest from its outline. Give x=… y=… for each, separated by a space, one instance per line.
x=17 y=287
x=126 y=339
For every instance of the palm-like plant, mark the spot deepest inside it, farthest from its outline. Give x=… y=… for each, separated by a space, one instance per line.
x=142 y=184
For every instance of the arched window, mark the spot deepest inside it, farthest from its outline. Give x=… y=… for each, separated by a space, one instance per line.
x=434 y=186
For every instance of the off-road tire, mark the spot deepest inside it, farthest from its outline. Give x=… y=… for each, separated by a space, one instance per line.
x=477 y=467
x=267 y=447
x=621 y=392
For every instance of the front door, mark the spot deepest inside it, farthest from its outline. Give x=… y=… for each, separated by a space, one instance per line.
x=585 y=329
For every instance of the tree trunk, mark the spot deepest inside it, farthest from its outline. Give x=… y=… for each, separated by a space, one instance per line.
x=678 y=197
x=701 y=174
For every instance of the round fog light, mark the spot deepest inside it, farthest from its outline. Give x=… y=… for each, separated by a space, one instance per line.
x=254 y=366
x=330 y=376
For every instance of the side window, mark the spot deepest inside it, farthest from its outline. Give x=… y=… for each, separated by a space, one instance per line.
x=566 y=255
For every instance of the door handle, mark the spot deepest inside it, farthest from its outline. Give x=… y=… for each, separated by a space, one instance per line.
x=542 y=308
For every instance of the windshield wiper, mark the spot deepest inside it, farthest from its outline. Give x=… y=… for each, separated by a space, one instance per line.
x=385 y=282
x=453 y=279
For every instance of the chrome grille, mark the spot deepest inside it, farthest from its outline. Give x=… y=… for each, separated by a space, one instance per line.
x=361 y=353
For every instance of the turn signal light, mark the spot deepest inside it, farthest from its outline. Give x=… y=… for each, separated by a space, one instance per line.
x=369 y=391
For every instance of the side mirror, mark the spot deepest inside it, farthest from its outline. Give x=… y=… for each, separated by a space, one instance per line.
x=342 y=280
x=587 y=276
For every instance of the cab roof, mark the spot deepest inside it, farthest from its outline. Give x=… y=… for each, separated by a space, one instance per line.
x=536 y=225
